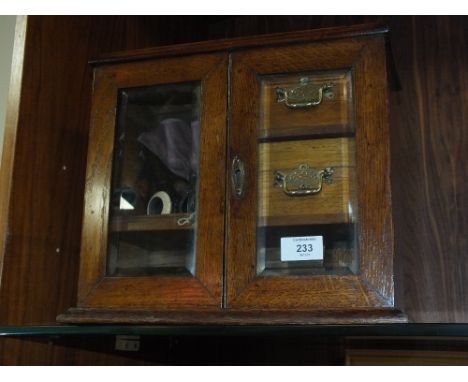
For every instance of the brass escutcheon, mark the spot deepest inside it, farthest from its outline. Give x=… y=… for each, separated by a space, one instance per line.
x=304 y=95
x=304 y=180
x=238 y=177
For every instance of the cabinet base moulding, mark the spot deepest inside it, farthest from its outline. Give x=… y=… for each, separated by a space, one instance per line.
x=233 y=317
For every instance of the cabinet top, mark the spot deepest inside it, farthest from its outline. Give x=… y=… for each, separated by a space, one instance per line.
x=231 y=44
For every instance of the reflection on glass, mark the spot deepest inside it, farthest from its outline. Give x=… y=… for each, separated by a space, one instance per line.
x=306 y=177
x=154 y=181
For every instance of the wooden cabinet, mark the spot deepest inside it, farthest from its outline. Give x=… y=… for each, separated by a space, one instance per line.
x=240 y=181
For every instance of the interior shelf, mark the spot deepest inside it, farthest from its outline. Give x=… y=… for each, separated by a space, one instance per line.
x=297 y=220
x=131 y=223
x=304 y=132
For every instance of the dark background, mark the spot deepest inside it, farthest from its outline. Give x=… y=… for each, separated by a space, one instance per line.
x=429 y=124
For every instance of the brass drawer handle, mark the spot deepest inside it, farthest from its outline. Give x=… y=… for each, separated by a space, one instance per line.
x=304 y=180
x=305 y=94
x=238 y=176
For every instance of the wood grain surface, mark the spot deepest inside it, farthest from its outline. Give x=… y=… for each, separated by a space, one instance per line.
x=430 y=167
x=334 y=115
x=247 y=67
x=429 y=189
x=247 y=41
x=205 y=289
x=375 y=229
x=330 y=205
x=379 y=357
x=235 y=317
x=366 y=56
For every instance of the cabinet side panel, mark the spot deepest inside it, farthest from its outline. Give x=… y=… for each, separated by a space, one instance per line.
x=375 y=229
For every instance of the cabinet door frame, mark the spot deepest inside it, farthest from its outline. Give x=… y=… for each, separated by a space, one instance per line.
x=205 y=288
x=372 y=287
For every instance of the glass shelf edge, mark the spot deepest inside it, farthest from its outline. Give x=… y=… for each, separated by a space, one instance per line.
x=397 y=330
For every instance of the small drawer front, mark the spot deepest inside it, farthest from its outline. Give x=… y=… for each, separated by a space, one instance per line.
x=332 y=204
x=294 y=105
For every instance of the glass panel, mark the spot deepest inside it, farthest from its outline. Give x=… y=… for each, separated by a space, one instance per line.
x=154 y=181
x=306 y=177
x=334 y=115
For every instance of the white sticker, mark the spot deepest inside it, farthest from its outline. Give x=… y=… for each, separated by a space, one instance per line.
x=302 y=248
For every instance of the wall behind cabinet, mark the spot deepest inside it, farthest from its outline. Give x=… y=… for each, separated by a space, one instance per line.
x=429 y=168
x=7 y=35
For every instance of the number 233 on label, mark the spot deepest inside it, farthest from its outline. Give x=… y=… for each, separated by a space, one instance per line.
x=302 y=248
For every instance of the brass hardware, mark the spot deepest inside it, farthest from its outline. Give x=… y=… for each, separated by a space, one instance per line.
x=305 y=94
x=238 y=177
x=304 y=180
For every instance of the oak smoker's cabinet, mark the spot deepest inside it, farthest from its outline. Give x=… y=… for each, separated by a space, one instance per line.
x=240 y=181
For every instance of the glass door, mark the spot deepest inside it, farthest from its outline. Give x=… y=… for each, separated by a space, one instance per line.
x=153 y=233
x=309 y=202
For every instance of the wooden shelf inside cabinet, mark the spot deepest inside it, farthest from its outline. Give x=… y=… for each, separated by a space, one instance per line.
x=131 y=223
x=304 y=132
x=298 y=220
